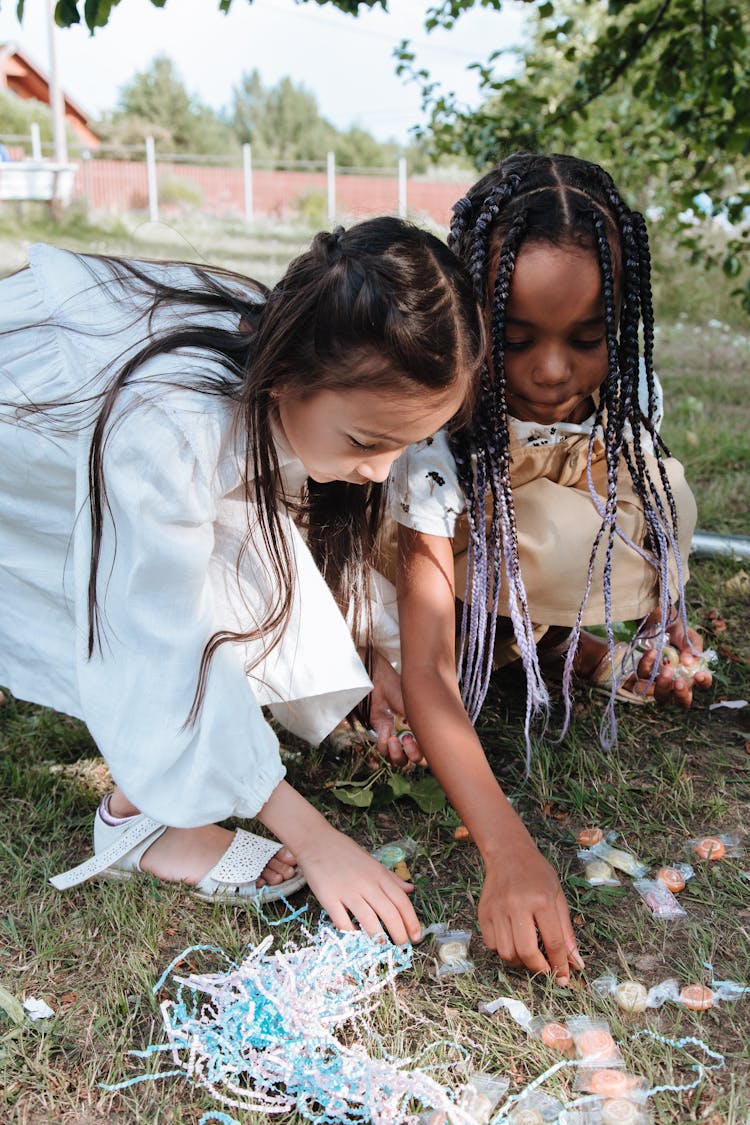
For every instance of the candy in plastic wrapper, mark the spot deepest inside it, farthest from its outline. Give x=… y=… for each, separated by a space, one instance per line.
x=607 y=1111
x=670 y=661
x=597 y=871
x=553 y=1034
x=675 y=878
x=659 y=899
x=586 y=837
x=714 y=847
x=395 y=852
x=623 y=1111
x=452 y=949
x=593 y=1041
x=609 y=1083
x=624 y=861
x=481 y=1095
x=697 y=997
x=631 y=996
x=534 y=1108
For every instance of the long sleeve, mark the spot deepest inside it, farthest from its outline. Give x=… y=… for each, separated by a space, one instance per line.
x=157 y=612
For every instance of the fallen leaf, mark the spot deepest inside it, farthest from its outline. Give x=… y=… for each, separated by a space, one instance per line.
x=11 y=1005
x=579 y=920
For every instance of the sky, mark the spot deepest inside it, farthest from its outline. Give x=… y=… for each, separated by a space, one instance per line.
x=346 y=62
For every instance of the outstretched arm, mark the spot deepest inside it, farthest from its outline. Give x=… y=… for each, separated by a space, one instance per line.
x=522 y=902
x=347 y=882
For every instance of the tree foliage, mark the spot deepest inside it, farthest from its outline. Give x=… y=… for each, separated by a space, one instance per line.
x=156 y=101
x=658 y=91
x=96 y=13
x=282 y=123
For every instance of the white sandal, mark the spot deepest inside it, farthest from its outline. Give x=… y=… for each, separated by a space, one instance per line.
x=119 y=848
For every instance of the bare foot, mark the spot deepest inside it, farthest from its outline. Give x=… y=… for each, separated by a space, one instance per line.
x=187 y=854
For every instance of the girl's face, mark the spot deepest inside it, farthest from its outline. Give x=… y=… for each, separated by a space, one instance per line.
x=555 y=345
x=356 y=435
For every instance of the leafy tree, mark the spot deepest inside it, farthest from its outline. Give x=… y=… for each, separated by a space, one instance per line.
x=656 y=90
x=157 y=99
x=18 y=114
x=282 y=123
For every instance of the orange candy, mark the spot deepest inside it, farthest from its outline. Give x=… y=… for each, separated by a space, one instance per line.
x=673 y=879
x=610 y=1083
x=596 y=1044
x=557 y=1036
x=462 y=833
x=697 y=997
x=710 y=847
x=587 y=837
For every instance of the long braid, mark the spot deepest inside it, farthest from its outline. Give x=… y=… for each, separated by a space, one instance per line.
x=482 y=457
x=662 y=528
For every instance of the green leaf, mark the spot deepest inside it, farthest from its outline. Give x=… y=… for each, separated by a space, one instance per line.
x=731 y=265
x=12 y=1006
x=399 y=784
x=428 y=794
x=353 y=795
x=66 y=13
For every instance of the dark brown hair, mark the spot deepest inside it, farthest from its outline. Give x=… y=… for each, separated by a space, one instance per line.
x=383 y=304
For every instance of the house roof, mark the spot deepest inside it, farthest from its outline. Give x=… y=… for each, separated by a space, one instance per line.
x=23 y=76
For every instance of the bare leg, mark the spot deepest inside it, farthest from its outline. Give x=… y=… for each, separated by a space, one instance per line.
x=187 y=854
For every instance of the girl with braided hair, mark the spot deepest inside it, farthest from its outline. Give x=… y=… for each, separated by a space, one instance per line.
x=557 y=507
x=161 y=425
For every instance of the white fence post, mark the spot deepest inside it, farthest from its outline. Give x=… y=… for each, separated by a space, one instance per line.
x=36 y=141
x=153 y=191
x=402 y=187
x=247 y=175
x=331 y=176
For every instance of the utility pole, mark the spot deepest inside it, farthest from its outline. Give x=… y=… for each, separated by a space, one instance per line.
x=56 y=97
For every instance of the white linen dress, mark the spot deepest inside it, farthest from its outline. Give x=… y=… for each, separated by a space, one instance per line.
x=167 y=577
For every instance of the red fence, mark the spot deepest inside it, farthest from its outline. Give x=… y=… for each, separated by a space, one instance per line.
x=121 y=185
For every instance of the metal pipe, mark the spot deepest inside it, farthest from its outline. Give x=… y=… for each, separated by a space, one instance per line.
x=706 y=544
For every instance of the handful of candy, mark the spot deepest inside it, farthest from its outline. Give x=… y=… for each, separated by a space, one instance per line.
x=671 y=662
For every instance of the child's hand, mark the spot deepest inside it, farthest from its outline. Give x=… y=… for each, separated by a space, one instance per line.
x=386 y=702
x=523 y=905
x=352 y=886
x=669 y=687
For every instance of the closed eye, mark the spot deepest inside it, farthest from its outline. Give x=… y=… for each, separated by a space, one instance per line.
x=587 y=345
x=359 y=444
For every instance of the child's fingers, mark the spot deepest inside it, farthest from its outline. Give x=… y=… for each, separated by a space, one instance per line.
x=411 y=748
x=560 y=943
x=526 y=943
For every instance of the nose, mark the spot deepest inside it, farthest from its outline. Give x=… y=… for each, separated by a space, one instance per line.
x=376 y=468
x=552 y=365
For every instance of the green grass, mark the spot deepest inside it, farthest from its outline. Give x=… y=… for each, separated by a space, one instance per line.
x=95 y=952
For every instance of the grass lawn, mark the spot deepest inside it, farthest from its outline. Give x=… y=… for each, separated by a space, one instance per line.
x=94 y=953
